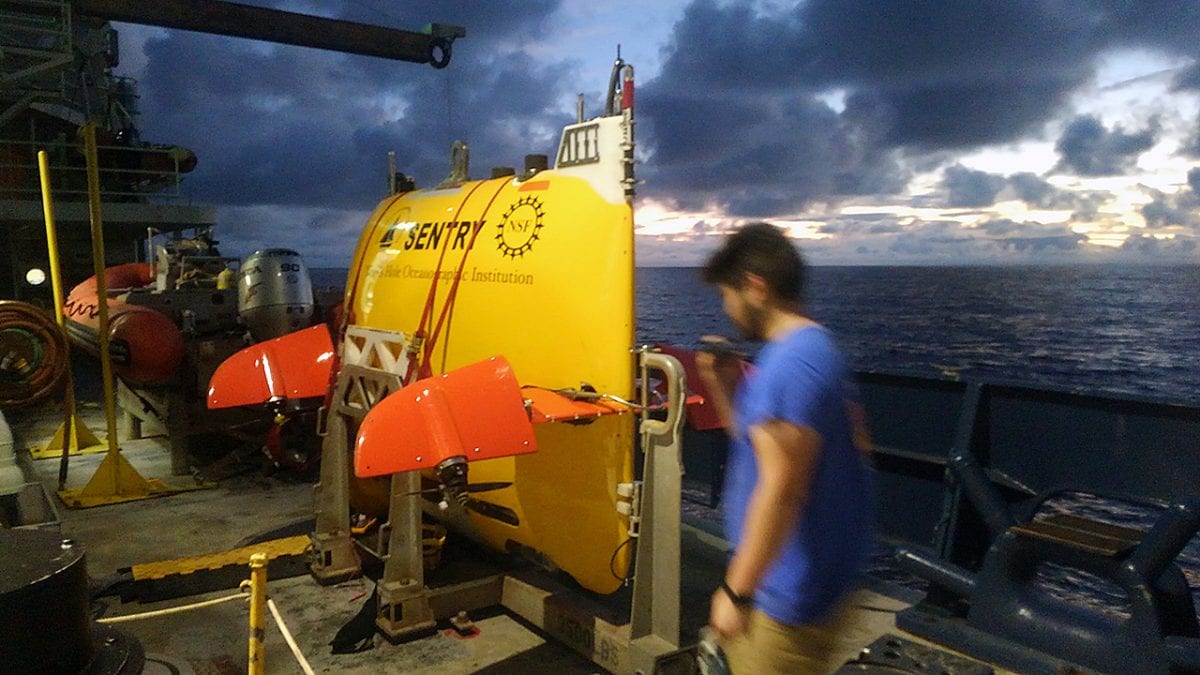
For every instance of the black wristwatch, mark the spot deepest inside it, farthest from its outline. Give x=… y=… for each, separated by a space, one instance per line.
x=739 y=601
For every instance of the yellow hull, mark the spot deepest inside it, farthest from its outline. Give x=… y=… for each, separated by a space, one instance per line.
x=544 y=273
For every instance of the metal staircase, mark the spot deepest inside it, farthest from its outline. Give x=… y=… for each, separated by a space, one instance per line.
x=36 y=52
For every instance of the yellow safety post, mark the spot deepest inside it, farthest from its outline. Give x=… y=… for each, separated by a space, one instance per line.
x=73 y=435
x=258 y=613
x=115 y=480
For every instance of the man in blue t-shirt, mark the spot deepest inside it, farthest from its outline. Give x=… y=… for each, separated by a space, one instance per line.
x=798 y=502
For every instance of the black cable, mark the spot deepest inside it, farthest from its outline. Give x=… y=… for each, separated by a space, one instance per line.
x=613 y=561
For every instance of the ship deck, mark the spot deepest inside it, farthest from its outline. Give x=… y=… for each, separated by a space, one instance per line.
x=213 y=639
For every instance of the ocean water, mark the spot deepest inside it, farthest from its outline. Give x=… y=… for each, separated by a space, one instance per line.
x=1107 y=330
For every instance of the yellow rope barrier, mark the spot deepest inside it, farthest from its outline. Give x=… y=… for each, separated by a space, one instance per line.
x=256 y=587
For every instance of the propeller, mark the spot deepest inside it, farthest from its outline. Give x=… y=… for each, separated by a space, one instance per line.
x=487 y=509
x=452 y=486
x=493 y=511
x=483 y=508
x=471 y=488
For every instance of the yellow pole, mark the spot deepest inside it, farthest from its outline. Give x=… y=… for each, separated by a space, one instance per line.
x=98 y=265
x=51 y=235
x=258 y=613
x=115 y=479
x=57 y=289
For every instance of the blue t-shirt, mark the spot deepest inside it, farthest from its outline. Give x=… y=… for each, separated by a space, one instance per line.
x=802 y=379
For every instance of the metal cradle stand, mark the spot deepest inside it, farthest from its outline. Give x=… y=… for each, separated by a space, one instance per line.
x=648 y=643
x=654 y=618
x=371 y=363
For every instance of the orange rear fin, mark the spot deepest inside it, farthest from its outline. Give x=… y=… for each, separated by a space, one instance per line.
x=476 y=412
x=551 y=406
x=294 y=366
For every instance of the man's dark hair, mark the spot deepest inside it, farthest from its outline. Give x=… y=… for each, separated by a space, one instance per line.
x=762 y=249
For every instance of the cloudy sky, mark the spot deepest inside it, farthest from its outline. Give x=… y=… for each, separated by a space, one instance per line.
x=879 y=132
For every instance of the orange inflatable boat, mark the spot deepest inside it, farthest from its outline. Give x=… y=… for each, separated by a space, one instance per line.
x=146 y=346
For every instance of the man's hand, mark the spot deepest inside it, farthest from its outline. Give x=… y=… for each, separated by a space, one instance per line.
x=726 y=619
x=720 y=368
x=719 y=365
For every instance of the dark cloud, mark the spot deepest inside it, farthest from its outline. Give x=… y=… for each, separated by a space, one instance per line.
x=917 y=244
x=1190 y=147
x=285 y=125
x=859 y=225
x=328 y=233
x=754 y=160
x=1169 y=24
x=970 y=188
x=1172 y=210
x=1036 y=191
x=999 y=226
x=1180 y=210
x=1087 y=204
x=951 y=116
x=1160 y=213
x=1187 y=79
x=1193 y=179
x=916 y=79
x=1088 y=149
x=1058 y=243
x=1031 y=237
x=991 y=239
x=1040 y=193
x=964 y=187
x=717 y=227
x=1157 y=249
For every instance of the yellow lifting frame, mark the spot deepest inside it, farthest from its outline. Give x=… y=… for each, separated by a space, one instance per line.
x=115 y=480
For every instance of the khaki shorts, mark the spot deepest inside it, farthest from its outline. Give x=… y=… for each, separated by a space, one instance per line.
x=768 y=646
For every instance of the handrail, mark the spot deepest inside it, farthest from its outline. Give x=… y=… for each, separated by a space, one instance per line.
x=17 y=176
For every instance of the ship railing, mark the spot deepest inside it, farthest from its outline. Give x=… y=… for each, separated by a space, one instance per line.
x=1032 y=445
x=127 y=173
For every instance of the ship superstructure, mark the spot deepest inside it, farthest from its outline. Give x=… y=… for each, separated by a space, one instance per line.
x=56 y=74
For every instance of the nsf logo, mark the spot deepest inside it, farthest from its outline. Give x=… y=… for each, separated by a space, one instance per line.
x=519 y=227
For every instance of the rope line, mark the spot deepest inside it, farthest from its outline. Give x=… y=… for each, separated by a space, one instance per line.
x=173 y=610
x=287 y=636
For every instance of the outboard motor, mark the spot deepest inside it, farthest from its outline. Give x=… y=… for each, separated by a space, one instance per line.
x=275 y=294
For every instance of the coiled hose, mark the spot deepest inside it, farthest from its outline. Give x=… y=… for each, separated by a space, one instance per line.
x=33 y=354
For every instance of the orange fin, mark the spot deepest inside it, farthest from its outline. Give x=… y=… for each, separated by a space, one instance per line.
x=551 y=406
x=294 y=366
x=476 y=412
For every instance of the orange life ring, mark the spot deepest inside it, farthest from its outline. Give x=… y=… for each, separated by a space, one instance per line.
x=146 y=346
